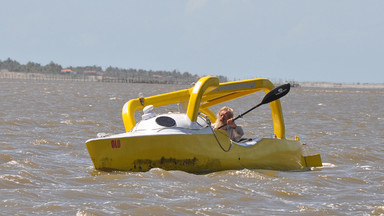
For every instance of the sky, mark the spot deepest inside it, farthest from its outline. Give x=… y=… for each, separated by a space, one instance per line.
x=298 y=40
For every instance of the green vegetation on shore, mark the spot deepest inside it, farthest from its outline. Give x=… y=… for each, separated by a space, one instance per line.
x=110 y=74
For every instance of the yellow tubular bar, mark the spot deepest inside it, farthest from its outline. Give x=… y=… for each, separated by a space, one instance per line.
x=277 y=118
x=137 y=104
x=203 y=86
x=209 y=113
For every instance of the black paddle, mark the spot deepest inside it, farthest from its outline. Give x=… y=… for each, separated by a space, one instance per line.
x=273 y=95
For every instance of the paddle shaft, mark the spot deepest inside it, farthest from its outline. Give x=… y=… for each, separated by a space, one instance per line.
x=273 y=95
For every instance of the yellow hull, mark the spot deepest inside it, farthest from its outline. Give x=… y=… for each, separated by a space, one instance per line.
x=195 y=153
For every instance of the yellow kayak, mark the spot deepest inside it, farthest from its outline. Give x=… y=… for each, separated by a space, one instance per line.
x=187 y=142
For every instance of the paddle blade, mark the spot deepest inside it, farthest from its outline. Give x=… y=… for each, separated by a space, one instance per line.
x=276 y=93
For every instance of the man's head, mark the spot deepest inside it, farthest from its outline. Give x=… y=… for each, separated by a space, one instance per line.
x=224 y=114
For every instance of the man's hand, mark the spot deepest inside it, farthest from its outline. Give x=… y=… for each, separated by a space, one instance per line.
x=231 y=123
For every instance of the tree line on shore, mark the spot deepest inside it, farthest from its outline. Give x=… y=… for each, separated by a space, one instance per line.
x=110 y=73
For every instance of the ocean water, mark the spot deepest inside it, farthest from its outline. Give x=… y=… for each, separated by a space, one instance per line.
x=45 y=168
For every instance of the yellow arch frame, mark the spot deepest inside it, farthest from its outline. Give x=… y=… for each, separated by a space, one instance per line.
x=207 y=92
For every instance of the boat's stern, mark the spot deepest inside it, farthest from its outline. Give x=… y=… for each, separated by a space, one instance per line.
x=312 y=161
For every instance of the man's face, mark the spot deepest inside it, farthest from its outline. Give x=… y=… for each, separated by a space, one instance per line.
x=224 y=116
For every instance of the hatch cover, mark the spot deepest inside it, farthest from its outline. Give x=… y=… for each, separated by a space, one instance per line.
x=165 y=121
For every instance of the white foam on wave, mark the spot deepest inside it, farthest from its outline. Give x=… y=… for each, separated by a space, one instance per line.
x=365 y=167
x=328 y=165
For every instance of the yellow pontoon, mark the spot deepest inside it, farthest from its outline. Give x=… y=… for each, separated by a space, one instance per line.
x=186 y=141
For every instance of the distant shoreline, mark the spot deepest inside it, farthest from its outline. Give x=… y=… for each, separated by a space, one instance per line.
x=90 y=78
x=34 y=76
x=341 y=85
